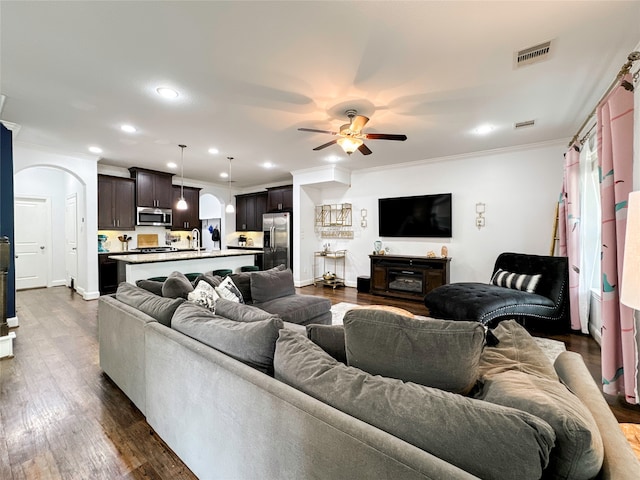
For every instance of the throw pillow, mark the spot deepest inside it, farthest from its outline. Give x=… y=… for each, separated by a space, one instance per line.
x=243 y=282
x=526 y=283
x=516 y=350
x=329 y=338
x=239 y=312
x=204 y=295
x=252 y=343
x=176 y=286
x=579 y=452
x=443 y=354
x=271 y=284
x=159 y=308
x=227 y=289
x=152 y=286
x=484 y=439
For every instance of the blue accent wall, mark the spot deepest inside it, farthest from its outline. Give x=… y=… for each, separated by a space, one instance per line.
x=6 y=211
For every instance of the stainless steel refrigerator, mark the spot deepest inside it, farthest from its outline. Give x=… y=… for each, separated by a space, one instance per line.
x=277 y=240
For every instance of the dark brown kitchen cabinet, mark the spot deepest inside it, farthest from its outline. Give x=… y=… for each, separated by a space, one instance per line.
x=153 y=189
x=249 y=211
x=280 y=199
x=116 y=203
x=190 y=218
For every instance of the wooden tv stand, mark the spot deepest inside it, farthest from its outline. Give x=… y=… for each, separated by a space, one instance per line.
x=408 y=277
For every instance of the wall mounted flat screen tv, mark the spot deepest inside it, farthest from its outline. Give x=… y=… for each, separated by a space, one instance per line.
x=419 y=216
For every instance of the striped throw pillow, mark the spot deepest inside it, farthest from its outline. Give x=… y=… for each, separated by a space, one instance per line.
x=517 y=281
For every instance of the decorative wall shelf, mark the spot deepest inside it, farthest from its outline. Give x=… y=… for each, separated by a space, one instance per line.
x=334 y=221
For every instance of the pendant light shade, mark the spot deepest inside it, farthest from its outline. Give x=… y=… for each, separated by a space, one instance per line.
x=229 y=208
x=182 y=204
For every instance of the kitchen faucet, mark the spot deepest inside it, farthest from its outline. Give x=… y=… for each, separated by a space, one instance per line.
x=195 y=239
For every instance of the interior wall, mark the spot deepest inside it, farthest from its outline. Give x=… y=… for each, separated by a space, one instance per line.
x=28 y=159
x=520 y=188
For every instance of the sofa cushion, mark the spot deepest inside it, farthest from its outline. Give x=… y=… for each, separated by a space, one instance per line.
x=252 y=343
x=160 y=308
x=579 y=452
x=329 y=338
x=271 y=284
x=177 y=285
x=240 y=312
x=436 y=353
x=227 y=289
x=153 y=286
x=524 y=282
x=204 y=295
x=300 y=309
x=514 y=445
x=210 y=278
x=516 y=350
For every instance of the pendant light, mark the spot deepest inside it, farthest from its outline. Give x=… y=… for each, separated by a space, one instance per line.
x=229 y=208
x=182 y=204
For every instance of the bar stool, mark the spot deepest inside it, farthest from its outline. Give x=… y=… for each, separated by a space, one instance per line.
x=223 y=272
x=157 y=279
x=249 y=268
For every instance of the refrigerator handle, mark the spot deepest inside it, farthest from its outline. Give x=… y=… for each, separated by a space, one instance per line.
x=272 y=232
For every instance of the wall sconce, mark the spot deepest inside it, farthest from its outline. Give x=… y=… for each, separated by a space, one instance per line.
x=363 y=218
x=480 y=209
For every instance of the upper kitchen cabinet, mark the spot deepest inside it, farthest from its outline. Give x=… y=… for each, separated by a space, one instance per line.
x=249 y=211
x=153 y=189
x=190 y=218
x=116 y=203
x=280 y=199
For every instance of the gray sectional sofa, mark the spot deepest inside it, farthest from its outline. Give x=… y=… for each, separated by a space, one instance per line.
x=315 y=417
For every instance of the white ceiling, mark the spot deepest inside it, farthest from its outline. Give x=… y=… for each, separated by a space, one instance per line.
x=251 y=73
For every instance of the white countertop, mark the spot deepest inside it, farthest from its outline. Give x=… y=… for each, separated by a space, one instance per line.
x=189 y=255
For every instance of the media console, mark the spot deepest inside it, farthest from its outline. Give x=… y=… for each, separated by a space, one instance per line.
x=405 y=276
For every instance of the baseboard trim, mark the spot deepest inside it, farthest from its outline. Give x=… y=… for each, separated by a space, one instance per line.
x=13 y=322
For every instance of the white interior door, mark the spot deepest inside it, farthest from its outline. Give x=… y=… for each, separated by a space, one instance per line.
x=71 y=238
x=31 y=242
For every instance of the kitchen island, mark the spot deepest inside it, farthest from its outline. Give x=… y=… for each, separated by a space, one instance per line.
x=133 y=267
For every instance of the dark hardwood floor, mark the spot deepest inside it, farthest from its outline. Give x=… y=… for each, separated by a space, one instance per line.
x=62 y=418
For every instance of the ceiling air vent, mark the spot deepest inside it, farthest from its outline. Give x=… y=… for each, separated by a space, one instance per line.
x=533 y=54
x=528 y=123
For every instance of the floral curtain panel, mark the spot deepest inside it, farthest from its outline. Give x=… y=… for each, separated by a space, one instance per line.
x=615 y=157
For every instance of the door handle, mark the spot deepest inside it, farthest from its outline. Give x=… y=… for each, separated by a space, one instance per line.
x=41 y=247
x=73 y=248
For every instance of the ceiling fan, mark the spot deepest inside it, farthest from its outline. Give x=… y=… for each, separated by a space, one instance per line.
x=351 y=137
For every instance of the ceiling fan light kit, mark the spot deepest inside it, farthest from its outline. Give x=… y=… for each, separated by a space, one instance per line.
x=351 y=137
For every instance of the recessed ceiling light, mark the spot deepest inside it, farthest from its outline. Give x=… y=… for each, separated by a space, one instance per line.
x=95 y=149
x=167 y=92
x=213 y=150
x=267 y=165
x=128 y=128
x=172 y=165
x=333 y=158
x=224 y=175
x=484 y=129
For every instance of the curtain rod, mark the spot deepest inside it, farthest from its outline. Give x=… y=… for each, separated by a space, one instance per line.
x=632 y=57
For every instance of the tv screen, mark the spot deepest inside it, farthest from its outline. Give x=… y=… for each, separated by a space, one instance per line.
x=420 y=216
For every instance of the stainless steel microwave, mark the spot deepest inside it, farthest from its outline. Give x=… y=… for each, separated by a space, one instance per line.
x=157 y=217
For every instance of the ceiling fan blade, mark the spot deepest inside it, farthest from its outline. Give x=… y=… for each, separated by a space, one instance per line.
x=364 y=150
x=385 y=136
x=328 y=144
x=317 y=131
x=357 y=123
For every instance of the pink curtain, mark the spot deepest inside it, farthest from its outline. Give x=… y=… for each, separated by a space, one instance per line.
x=615 y=156
x=569 y=228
